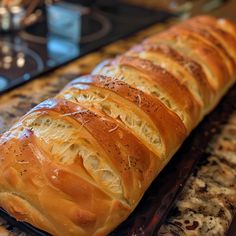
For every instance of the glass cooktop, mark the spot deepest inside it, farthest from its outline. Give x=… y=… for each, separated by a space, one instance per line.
x=65 y=32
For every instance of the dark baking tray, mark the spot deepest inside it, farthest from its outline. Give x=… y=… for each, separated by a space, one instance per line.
x=161 y=195
x=232 y=228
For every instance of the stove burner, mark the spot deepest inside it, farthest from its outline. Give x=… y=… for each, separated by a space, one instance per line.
x=19 y=60
x=101 y=31
x=36 y=33
x=45 y=46
x=94 y=26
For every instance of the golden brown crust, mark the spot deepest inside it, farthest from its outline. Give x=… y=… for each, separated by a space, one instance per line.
x=190 y=69
x=223 y=24
x=154 y=109
x=188 y=44
x=157 y=82
x=79 y=202
x=209 y=36
x=214 y=31
x=119 y=146
x=79 y=163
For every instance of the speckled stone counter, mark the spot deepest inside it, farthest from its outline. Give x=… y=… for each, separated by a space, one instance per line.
x=207 y=203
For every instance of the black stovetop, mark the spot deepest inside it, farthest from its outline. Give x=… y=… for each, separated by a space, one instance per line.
x=65 y=33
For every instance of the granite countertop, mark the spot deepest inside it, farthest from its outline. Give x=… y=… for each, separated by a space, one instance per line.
x=208 y=202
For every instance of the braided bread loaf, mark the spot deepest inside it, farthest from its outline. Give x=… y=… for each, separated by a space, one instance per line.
x=79 y=163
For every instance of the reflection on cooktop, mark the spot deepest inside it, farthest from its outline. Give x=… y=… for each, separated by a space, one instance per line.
x=18 y=60
x=3 y=82
x=54 y=41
